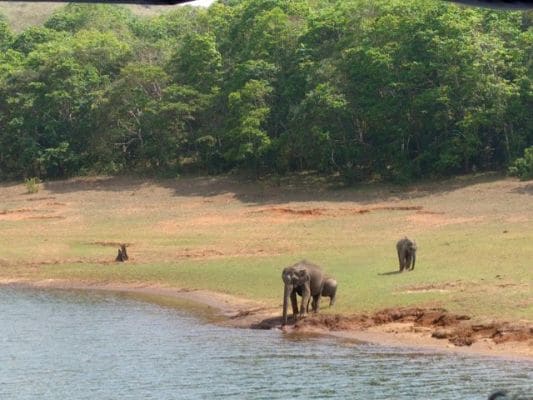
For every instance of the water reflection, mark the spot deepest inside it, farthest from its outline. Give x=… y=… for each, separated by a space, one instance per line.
x=76 y=345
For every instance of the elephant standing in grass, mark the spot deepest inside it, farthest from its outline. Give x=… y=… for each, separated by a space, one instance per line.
x=305 y=279
x=406 y=249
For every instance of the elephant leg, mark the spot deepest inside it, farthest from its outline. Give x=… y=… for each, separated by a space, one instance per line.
x=313 y=303
x=309 y=302
x=294 y=303
x=333 y=297
x=286 y=294
x=409 y=262
x=306 y=295
x=316 y=300
x=400 y=261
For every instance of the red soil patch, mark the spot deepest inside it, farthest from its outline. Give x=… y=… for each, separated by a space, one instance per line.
x=430 y=212
x=436 y=220
x=440 y=287
x=113 y=244
x=22 y=213
x=206 y=253
x=17 y=211
x=457 y=329
x=291 y=211
x=45 y=217
x=214 y=253
x=41 y=198
x=396 y=208
x=55 y=203
x=311 y=212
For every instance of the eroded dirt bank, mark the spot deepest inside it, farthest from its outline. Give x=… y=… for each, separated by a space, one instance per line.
x=429 y=328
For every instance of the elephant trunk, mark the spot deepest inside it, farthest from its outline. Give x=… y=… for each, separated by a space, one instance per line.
x=286 y=294
x=414 y=260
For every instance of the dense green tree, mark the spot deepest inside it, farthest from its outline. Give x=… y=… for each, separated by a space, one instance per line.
x=5 y=34
x=368 y=89
x=249 y=109
x=123 y=129
x=197 y=63
x=48 y=99
x=100 y=17
x=33 y=36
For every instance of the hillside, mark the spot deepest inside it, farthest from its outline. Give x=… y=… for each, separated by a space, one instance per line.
x=21 y=15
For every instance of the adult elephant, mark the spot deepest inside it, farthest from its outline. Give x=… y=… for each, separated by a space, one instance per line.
x=406 y=249
x=305 y=279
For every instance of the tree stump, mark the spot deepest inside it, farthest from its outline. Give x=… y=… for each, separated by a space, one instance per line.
x=122 y=254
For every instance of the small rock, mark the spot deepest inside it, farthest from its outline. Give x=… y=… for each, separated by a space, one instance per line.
x=441 y=334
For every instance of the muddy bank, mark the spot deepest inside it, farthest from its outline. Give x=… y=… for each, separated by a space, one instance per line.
x=458 y=330
x=430 y=328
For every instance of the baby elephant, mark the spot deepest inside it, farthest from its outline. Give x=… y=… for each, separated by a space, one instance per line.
x=329 y=289
x=406 y=249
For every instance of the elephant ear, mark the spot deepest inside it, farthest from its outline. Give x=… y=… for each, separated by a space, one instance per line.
x=303 y=275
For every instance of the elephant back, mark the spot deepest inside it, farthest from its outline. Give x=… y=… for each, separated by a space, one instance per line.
x=316 y=274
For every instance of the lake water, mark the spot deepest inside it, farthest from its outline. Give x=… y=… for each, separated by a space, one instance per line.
x=84 y=345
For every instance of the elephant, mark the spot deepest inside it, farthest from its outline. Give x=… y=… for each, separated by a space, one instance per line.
x=329 y=289
x=305 y=279
x=406 y=249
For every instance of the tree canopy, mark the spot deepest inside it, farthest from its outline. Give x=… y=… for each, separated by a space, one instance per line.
x=369 y=89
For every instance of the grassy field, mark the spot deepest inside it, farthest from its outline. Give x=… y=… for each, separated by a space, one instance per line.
x=475 y=238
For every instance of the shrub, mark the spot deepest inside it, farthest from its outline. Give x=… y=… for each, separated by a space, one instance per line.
x=523 y=167
x=32 y=185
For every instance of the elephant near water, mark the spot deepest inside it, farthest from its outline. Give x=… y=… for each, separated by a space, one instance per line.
x=305 y=279
x=329 y=289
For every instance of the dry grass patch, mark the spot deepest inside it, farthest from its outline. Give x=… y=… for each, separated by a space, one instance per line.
x=220 y=234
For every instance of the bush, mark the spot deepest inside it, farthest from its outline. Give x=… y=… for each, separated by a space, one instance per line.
x=32 y=185
x=523 y=167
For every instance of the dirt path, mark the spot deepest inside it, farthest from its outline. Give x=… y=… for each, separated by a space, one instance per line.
x=431 y=329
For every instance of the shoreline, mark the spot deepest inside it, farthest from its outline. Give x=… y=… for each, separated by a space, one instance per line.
x=235 y=312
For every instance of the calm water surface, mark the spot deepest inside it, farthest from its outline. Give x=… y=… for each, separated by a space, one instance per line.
x=72 y=345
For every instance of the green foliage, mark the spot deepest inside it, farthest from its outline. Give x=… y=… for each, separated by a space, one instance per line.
x=523 y=166
x=32 y=185
x=197 y=63
x=57 y=161
x=5 y=34
x=371 y=90
x=29 y=39
x=249 y=109
x=101 y=17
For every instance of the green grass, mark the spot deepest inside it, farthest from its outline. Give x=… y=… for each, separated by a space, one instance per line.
x=475 y=257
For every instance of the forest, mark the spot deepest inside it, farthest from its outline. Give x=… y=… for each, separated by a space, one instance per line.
x=367 y=90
